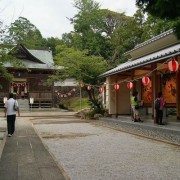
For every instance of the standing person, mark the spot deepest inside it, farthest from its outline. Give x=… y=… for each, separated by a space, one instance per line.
x=135 y=107
x=10 y=112
x=159 y=108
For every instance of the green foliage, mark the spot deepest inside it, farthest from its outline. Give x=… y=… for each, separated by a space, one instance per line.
x=22 y=31
x=75 y=103
x=154 y=26
x=79 y=65
x=51 y=44
x=163 y=9
x=90 y=114
x=172 y=111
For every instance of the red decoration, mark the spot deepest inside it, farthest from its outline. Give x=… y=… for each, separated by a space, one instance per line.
x=81 y=85
x=69 y=94
x=145 y=81
x=101 y=89
x=74 y=89
x=173 y=65
x=130 y=85
x=89 y=88
x=116 y=86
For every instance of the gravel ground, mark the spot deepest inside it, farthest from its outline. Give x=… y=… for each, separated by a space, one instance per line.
x=89 y=152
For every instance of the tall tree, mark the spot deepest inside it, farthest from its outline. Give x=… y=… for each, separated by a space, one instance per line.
x=163 y=9
x=22 y=31
x=82 y=67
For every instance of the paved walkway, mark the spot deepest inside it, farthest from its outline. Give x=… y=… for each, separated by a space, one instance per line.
x=25 y=157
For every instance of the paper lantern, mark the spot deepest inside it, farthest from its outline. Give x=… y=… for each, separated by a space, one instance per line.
x=81 y=85
x=116 y=86
x=173 y=65
x=101 y=89
x=74 y=89
x=145 y=81
x=130 y=85
x=89 y=88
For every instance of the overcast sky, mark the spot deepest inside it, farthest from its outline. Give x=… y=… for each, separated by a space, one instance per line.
x=50 y=16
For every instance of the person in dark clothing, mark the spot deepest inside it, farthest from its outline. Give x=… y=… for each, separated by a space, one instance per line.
x=159 y=111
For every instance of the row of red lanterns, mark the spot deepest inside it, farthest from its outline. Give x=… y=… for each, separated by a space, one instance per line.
x=172 y=66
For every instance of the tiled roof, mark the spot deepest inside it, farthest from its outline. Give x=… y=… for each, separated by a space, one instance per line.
x=154 y=57
x=151 y=40
x=43 y=55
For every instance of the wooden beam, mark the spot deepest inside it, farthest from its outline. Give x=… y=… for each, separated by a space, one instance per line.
x=154 y=91
x=178 y=94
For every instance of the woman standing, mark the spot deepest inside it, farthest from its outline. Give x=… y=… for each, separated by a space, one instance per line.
x=159 y=109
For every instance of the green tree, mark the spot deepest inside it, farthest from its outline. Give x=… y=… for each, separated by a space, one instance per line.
x=163 y=9
x=4 y=57
x=88 y=29
x=79 y=65
x=22 y=31
x=155 y=26
x=51 y=43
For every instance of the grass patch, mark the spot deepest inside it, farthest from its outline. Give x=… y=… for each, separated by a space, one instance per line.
x=74 y=103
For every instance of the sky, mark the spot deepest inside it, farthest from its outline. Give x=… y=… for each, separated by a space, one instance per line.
x=51 y=16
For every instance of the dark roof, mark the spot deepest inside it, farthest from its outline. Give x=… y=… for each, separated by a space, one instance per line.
x=36 y=59
x=148 y=59
x=151 y=40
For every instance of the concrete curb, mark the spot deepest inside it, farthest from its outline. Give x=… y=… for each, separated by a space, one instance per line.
x=47 y=148
x=3 y=143
x=155 y=133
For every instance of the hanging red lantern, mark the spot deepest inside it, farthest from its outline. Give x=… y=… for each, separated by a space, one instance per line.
x=89 y=88
x=116 y=86
x=81 y=85
x=130 y=85
x=173 y=65
x=145 y=81
x=69 y=94
x=101 y=89
x=74 y=89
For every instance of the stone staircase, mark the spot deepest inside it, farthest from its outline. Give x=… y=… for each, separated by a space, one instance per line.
x=23 y=104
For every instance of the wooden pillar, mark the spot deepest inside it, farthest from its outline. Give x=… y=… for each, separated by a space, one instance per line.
x=53 y=99
x=178 y=94
x=116 y=102
x=154 y=90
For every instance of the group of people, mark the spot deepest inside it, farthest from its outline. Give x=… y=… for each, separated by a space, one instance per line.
x=135 y=104
x=11 y=106
x=10 y=111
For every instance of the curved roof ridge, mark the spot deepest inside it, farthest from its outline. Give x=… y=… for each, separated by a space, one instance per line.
x=28 y=51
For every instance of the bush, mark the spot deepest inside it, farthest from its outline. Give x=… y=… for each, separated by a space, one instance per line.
x=90 y=114
x=172 y=111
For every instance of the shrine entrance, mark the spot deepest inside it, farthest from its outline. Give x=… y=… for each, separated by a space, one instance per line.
x=20 y=88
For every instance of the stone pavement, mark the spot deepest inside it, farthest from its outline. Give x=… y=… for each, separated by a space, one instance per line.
x=25 y=157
